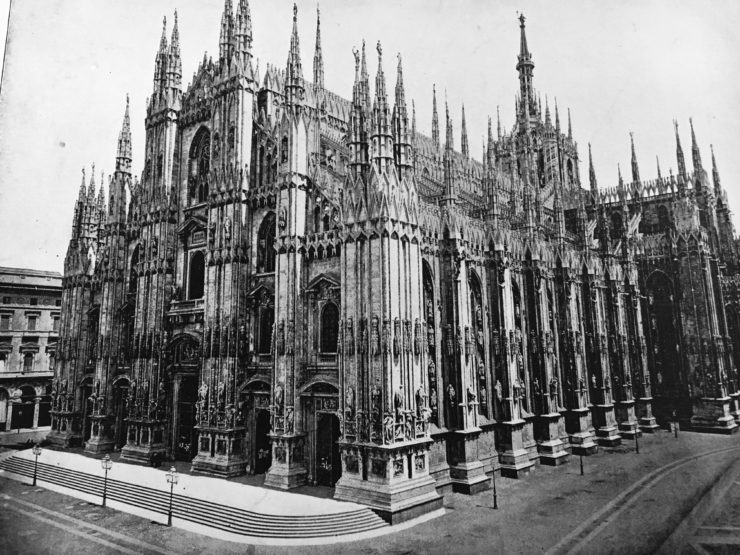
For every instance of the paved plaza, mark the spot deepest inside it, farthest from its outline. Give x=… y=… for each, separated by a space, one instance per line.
x=624 y=503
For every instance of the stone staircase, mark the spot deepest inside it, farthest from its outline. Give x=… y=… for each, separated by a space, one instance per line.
x=205 y=513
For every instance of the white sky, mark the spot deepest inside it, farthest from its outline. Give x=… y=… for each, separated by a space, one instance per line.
x=632 y=65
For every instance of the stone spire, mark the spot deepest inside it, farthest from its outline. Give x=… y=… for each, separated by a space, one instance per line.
x=548 y=121
x=591 y=172
x=679 y=154
x=435 y=117
x=498 y=122
x=174 y=66
x=524 y=66
x=657 y=162
x=318 y=58
x=447 y=158
x=381 y=138
x=294 y=71
x=695 y=154
x=557 y=118
x=635 y=169
x=123 y=155
x=715 y=175
x=401 y=142
x=490 y=147
x=358 y=145
x=160 y=61
x=464 y=146
x=225 y=43
x=243 y=33
x=570 y=127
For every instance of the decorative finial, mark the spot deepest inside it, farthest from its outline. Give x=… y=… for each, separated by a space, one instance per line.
x=356 y=54
x=522 y=19
x=295 y=12
x=380 y=50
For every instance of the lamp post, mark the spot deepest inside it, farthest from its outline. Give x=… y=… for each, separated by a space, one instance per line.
x=637 y=444
x=172 y=478
x=106 y=463
x=493 y=478
x=36 y=452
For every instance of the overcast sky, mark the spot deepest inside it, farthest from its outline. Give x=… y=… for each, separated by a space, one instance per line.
x=620 y=66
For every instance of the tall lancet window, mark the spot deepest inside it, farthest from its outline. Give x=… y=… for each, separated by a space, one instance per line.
x=266 y=245
x=329 y=328
x=199 y=164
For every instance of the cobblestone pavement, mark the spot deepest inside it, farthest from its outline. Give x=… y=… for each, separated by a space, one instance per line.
x=553 y=509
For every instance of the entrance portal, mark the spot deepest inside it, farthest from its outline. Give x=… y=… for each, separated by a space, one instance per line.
x=263 y=448
x=120 y=403
x=186 y=434
x=23 y=409
x=328 y=463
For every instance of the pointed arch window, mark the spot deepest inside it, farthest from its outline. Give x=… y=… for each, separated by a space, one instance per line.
x=200 y=165
x=329 y=328
x=266 y=245
x=196 y=275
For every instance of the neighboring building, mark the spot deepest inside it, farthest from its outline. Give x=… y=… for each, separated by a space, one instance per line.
x=308 y=286
x=30 y=312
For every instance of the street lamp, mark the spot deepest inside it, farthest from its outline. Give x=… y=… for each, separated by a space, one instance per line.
x=493 y=478
x=106 y=463
x=36 y=452
x=172 y=478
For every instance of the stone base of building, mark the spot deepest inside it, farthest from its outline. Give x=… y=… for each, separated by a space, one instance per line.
x=100 y=441
x=606 y=425
x=514 y=457
x=467 y=472
x=145 y=442
x=65 y=432
x=393 y=480
x=713 y=416
x=288 y=469
x=220 y=453
x=548 y=430
x=439 y=468
x=578 y=426
x=644 y=412
x=627 y=423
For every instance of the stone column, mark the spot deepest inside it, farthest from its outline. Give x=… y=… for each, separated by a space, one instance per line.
x=36 y=401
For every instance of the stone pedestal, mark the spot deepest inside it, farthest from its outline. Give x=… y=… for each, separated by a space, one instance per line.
x=713 y=416
x=626 y=419
x=220 y=452
x=644 y=412
x=65 y=430
x=466 y=470
x=100 y=441
x=548 y=429
x=735 y=406
x=606 y=425
x=578 y=426
x=514 y=457
x=288 y=469
x=393 y=480
x=144 y=441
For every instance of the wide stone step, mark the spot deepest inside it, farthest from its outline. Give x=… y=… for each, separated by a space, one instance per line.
x=214 y=515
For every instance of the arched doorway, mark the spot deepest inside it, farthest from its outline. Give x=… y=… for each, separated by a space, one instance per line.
x=45 y=408
x=187 y=436
x=23 y=408
x=328 y=462
x=3 y=409
x=120 y=404
x=262 y=446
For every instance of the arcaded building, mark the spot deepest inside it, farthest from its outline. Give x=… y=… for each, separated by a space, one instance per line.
x=302 y=283
x=30 y=316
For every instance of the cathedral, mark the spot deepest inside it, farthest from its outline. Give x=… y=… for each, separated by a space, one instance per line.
x=302 y=284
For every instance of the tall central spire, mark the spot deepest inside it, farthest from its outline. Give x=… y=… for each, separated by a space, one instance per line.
x=679 y=153
x=525 y=66
x=123 y=156
x=435 y=117
x=318 y=58
x=635 y=169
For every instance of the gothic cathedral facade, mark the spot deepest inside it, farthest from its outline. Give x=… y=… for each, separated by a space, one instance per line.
x=308 y=287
